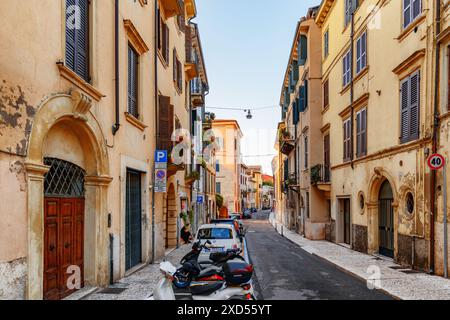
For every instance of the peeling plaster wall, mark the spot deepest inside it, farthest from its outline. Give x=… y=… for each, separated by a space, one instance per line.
x=13 y=279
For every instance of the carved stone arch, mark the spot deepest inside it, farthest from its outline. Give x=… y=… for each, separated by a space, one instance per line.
x=73 y=112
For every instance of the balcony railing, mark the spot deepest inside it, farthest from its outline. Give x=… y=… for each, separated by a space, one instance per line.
x=320 y=174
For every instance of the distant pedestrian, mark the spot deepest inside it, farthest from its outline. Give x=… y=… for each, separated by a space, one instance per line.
x=185 y=234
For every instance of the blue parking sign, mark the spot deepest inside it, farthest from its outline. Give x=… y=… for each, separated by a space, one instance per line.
x=161 y=156
x=199 y=199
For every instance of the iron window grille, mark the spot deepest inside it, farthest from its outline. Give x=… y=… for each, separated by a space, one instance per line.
x=64 y=179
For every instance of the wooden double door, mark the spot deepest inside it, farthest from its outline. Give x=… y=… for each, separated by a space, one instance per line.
x=63 y=246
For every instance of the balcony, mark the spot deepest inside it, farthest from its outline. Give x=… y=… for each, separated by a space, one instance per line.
x=171 y=8
x=321 y=177
x=287 y=143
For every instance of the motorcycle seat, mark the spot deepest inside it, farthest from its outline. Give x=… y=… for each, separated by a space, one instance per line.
x=210 y=271
x=205 y=288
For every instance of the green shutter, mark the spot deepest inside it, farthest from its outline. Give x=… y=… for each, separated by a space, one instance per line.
x=303 y=54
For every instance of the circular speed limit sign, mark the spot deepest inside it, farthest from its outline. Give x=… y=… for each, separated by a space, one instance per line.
x=436 y=162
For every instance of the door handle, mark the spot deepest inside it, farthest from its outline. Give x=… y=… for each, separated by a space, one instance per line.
x=51 y=247
x=67 y=245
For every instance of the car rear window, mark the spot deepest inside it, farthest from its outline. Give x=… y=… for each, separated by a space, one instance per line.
x=215 y=234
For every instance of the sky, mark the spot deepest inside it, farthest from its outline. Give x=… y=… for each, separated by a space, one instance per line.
x=246 y=44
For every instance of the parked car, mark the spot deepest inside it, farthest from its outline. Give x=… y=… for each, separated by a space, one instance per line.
x=222 y=237
x=237 y=216
x=238 y=226
x=247 y=214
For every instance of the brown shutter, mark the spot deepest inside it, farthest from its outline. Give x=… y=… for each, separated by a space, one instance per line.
x=165 y=124
x=364 y=133
x=358 y=134
x=175 y=66
x=158 y=13
x=188 y=43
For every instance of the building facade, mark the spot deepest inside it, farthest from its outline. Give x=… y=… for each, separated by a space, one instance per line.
x=228 y=138
x=86 y=100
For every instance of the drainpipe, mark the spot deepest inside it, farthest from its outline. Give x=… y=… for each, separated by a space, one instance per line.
x=435 y=137
x=352 y=40
x=155 y=57
x=116 y=126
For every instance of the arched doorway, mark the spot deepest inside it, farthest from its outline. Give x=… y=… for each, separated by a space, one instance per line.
x=64 y=203
x=171 y=218
x=386 y=220
x=66 y=135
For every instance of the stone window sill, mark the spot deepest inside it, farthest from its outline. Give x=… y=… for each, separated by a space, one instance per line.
x=75 y=79
x=406 y=31
x=135 y=122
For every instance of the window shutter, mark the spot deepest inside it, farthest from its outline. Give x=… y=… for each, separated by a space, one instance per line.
x=77 y=39
x=166 y=28
x=404 y=111
x=70 y=39
x=364 y=132
x=306 y=94
x=303 y=55
x=132 y=82
x=326 y=150
x=82 y=41
x=326 y=98
x=180 y=75
x=175 y=66
x=302 y=99
x=358 y=134
x=158 y=16
x=414 y=107
x=296 y=71
x=165 y=124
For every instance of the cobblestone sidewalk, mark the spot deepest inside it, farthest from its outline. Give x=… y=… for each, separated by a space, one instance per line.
x=139 y=285
x=384 y=274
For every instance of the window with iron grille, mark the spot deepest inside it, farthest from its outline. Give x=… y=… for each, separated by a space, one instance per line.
x=64 y=179
x=133 y=64
x=77 y=37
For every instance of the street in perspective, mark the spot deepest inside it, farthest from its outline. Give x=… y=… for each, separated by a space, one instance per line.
x=231 y=151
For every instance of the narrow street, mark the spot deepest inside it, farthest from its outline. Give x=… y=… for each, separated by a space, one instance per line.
x=284 y=271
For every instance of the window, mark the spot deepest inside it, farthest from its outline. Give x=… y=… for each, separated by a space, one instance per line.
x=350 y=7
x=163 y=38
x=361 y=133
x=306 y=150
x=177 y=71
x=410 y=108
x=217 y=166
x=133 y=63
x=410 y=203
x=326 y=94
x=326 y=44
x=218 y=188
x=347 y=72
x=347 y=140
x=411 y=10
x=302 y=50
x=166 y=124
x=77 y=37
x=215 y=234
x=361 y=52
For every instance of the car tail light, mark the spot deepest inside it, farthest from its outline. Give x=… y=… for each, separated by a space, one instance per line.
x=248 y=296
x=249 y=268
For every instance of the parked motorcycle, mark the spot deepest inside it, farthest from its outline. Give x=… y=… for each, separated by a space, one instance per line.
x=228 y=278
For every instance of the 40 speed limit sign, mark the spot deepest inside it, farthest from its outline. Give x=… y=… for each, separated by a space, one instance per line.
x=436 y=162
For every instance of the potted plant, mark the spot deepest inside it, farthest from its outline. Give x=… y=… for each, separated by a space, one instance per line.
x=192 y=177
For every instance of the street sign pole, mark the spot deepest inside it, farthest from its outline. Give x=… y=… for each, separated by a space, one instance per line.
x=445 y=223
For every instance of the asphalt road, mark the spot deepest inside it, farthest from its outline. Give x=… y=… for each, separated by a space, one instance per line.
x=283 y=271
